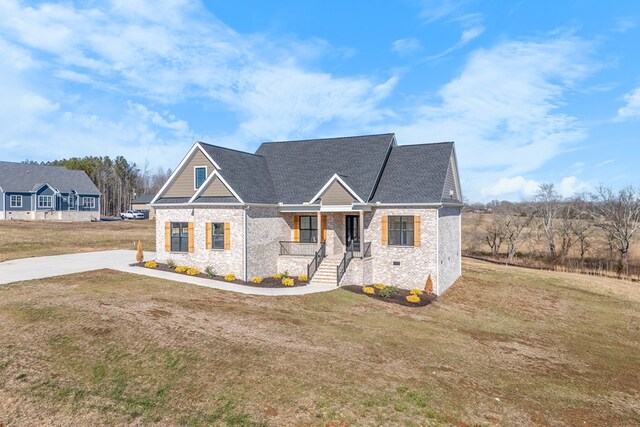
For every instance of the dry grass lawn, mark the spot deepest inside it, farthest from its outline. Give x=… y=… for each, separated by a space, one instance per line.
x=21 y=239
x=505 y=346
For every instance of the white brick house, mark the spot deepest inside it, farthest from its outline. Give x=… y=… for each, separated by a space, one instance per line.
x=353 y=210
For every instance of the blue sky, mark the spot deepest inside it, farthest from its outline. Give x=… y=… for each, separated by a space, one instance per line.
x=530 y=91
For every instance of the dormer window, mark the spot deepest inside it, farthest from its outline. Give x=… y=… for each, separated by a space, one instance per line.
x=200 y=175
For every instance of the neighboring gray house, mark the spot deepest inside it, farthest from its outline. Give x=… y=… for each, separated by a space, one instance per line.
x=30 y=191
x=142 y=204
x=353 y=210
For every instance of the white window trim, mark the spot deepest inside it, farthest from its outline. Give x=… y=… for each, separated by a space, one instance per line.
x=206 y=175
x=18 y=197
x=92 y=205
x=43 y=197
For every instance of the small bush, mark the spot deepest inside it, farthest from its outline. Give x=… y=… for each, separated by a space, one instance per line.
x=413 y=298
x=415 y=291
x=369 y=290
x=388 y=291
x=230 y=277
x=151 y=264
x=193 y=271
x=210 y=272
x=379 y=285
x=278 y=276
x=181 y=269
x=171 y=264
x=303 y=278
x=288 y=281
x=257 y=280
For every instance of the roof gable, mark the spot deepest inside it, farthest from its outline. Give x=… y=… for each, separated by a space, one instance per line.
x=336 y=192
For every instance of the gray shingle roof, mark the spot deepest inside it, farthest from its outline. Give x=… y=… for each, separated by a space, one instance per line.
x=299 y=169
x=143 y=199
x=23 y=177
x=246 y=173
x=414 y=174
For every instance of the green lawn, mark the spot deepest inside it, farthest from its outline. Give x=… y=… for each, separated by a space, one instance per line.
x=505 y=346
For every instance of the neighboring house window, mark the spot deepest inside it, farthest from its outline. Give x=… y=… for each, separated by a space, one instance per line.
x=71 y=200
x=15 y=201
x=89 y=202
x=200 y=176
x=217 y=235
x=308 y=229
x=45 y=201
x=179 y=237
x=401 y=230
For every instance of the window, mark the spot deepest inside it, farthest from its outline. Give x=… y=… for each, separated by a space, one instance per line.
x=217 y=235
x=401 y=230
x=15 y=201
x=45 y=202
x=179 y=237
x=71 y=201
x=200 y=175
x=89 y=202
x=308 y=229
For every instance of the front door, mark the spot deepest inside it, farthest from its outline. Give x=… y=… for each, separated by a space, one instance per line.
x=353 y=231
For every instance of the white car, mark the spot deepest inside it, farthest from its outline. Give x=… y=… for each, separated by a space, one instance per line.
x=132 y=214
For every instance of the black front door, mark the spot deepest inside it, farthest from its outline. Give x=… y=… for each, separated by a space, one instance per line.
x=353 y=231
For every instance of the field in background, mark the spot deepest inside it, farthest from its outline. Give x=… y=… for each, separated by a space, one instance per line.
x=22 y=239
x=505 y=346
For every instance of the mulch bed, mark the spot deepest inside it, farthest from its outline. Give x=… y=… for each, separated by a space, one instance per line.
x=267 y=282
x=399 y=298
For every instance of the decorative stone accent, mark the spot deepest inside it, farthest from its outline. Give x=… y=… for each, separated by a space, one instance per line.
x=449 y=261
x=51 y=215
x=294 y=265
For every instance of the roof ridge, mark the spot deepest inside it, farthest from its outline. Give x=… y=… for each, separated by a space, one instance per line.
x=229 y=149
x=327 y=138
x=425 y=143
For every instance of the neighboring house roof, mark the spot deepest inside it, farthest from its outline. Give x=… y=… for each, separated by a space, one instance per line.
x=143 y=199
x=299 y=169
x=24 y=177
x=372 y=167
x=415 y=174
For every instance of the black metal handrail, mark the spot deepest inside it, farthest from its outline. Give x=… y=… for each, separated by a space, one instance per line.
x=298 y=248
x=315 y=262
x=344 y=264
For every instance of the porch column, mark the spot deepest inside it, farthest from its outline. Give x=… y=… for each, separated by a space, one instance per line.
x=361 y=232
x=319 y=230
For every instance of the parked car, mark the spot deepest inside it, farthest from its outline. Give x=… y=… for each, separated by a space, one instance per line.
x=131 y=214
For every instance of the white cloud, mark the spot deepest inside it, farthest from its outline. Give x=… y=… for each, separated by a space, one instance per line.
x=405 y=47
x=467 y=35
x=433 y=10
x=508 y=187
x=502 y=109
x=570 y=185
x=632 y=109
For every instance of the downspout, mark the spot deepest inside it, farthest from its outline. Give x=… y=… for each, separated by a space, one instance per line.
x=438 y=251
x=245 y=242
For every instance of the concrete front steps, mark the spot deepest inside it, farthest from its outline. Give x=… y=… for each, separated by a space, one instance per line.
x=326 y=275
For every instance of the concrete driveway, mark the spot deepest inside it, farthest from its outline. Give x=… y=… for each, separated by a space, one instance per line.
x=18 y=270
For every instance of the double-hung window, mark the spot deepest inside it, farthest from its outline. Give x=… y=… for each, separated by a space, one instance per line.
x=88 y=202
x=308 y=229
x=45 y=202
x=401 y=230
x=199 y=176
x=15 y=201
x=217 y=235
x=179 y=237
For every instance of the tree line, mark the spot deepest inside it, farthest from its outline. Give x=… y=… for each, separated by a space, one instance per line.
x=602 y=223
x=118 y=180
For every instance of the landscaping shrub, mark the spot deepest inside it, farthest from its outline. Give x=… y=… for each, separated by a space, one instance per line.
x=139 y=254
x=379 y=285
x=171 y=264
x=230 y=277
x=416 y=291
x=193 y=271
x=181 y=269
x=288 y=281
x=256 y=280
x=278 y=276
x=369 y=290
x=151 y=264
x=413 y=298
x=303 y=278
x=210 y=272
x=388 y=291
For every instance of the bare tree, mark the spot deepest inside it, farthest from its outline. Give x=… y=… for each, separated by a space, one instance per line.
x=513 y=227
x=567 y=217
x=618 y=215
x=547 y=203
x=582 y=226
x=494 y=234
